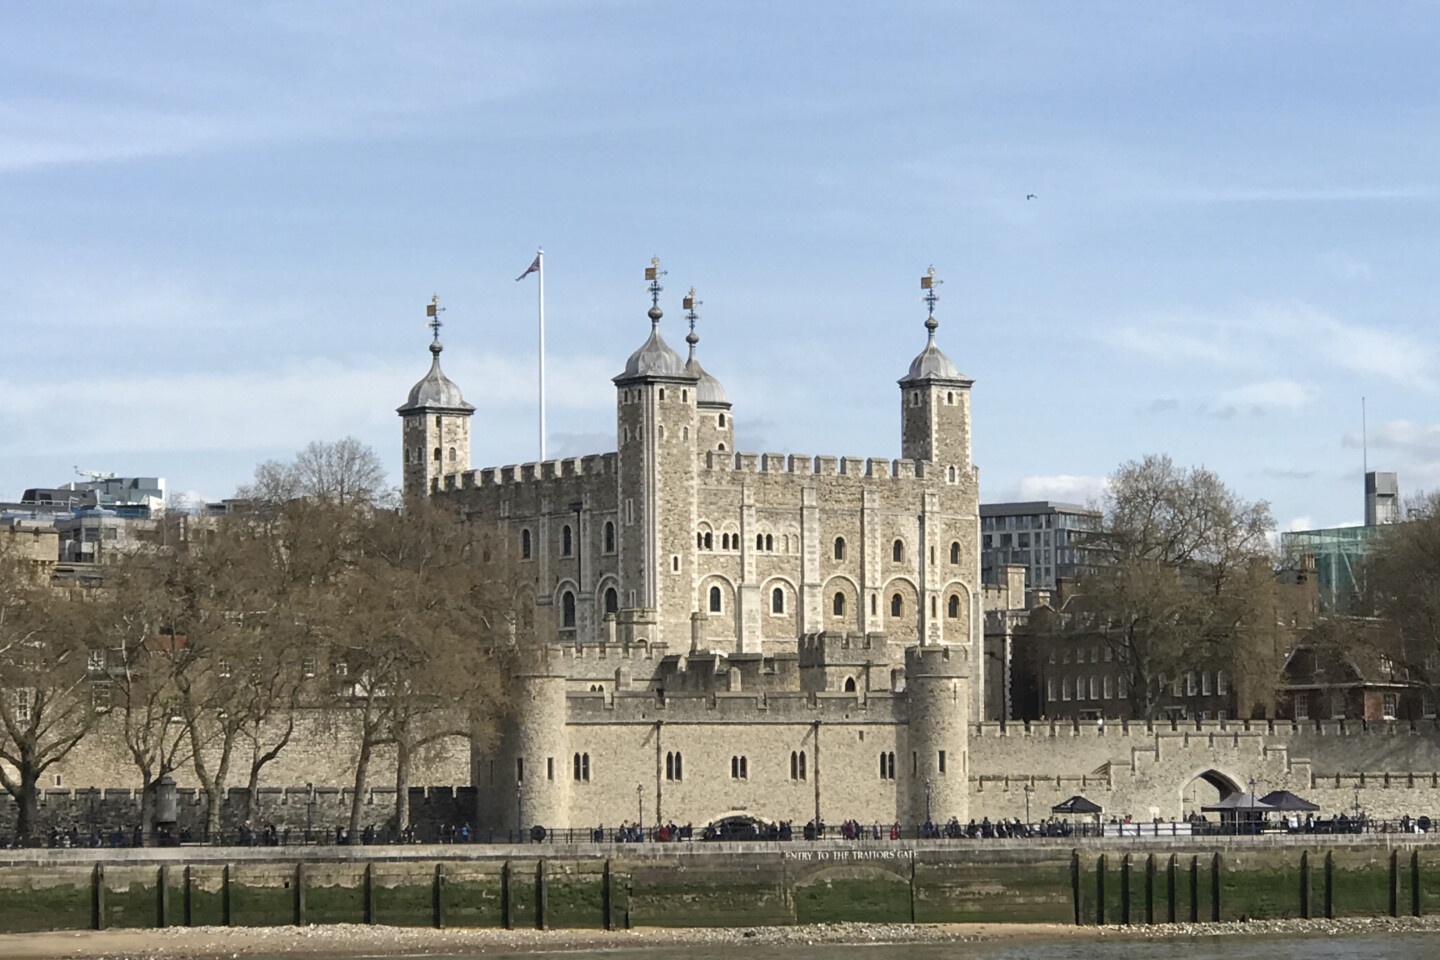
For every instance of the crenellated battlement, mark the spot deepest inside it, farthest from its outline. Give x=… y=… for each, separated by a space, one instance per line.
x=648 y=707
x=1275 y=729
x=598 y=464
x=805 y=464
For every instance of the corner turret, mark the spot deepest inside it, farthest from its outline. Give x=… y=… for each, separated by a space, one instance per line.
x=935 y=402
x=435 y=431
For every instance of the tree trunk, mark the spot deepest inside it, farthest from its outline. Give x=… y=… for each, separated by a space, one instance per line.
x=402 y=784
x=28 y=802
x=362 y=770
x=147 y=805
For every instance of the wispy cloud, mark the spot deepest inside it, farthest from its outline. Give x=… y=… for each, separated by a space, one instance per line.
x=1266 y=396
x=1259 y=336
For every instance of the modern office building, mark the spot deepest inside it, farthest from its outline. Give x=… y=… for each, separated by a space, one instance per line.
x=1043 y=536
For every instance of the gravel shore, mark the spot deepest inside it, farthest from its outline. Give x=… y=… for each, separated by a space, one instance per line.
x=353 y=940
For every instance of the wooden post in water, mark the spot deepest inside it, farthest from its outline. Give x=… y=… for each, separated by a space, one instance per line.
x=367 y=907
x=1414 y=883
x=300 y=894
x=187 y=898
x=1075 y=883
x=162 y=896
x=1125 y=889
x=1100 y=890
x=1215 y=888
x=1195 y=889
x=507 y=919
x=1150 y=888
x=1170 y=867
x=1329 y=885
x=225 y=895
x=606 y=903
x=437 y=897
x=542 y=893
x=1305 y=884
x=1394 y=883
x=97 y=897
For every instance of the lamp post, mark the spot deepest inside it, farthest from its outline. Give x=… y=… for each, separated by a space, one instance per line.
x=519 y=812
x=1028 y=790
x=927 y=804
x=309 y=810
x=640 y=799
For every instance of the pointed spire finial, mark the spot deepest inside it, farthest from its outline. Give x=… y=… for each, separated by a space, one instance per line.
x=928 y=283
x=433 y=311
x=653 y=273
x=690 y=303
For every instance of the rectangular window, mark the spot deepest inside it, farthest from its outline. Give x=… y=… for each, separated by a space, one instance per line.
x=942 y=761
x=1065 y=693
x=519 y=769
x=1222 y=683
x=1122 y=688
x=1190 y=685
x=1050 y=689
x=1022 y=540
x=1109 y=687
x=1390 y=705
x=1337 y=705
x=1427 y=706
x=1094 y=688
x=549 y=768
x=1302 y=706
x=629 y=512
x=1205 y=683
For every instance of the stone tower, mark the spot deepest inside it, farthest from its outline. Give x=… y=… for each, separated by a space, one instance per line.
x=935 y=404
x=937 y=691
x=435 y=430
x=656 y=398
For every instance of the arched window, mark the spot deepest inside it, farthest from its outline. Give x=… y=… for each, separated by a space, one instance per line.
x=709 y=540
x=567 y=609
x=679 y=766
x=684 y=396
x=452 y=454
x=794 y=765
x=769 y=543
x=882 y=766
x=609 y=537
x=720 y=447
x=839 y=548
x=524 y=544
x=724 y=541
x=952 y=474
x=721 y=421
x=949 y=398
x=897 y=605
x=872 y=604
x=952 y=607
x=897 y=551
x=662 y=393
x=437 y=423
x=437 y=454
x=759 y=541
x=802 y=764
x=777 y=600
x=714 y=599
x=955 y=552
x=849 y=684
x=612 y=600
x=684 y=433
x=837 y=606
x=567 y=541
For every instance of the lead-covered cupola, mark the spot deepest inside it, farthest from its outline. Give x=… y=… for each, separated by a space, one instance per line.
x=435 y=430
x=935 y=400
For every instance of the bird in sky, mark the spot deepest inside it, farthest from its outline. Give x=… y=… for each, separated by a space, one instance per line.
x=1029 y=196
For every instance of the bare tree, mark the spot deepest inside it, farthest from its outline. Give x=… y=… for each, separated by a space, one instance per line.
x=344 y=471
x=1182 y=574
x=46 y=699
x=1402 y=590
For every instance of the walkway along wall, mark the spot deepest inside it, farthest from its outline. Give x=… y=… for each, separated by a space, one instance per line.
x=723 y=884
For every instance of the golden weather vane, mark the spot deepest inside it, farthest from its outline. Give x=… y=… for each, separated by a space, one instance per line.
x=433 y=311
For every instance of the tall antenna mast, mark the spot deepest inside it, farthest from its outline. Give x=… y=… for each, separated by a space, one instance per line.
x=1364 y=439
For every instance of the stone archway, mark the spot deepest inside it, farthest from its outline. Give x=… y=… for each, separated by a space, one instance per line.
x=1206 y=787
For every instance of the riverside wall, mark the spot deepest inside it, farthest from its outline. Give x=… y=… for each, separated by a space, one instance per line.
x=725 y=884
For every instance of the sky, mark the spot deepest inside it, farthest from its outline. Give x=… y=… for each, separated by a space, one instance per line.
x=220 y=223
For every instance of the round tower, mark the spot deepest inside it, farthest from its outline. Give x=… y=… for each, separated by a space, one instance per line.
x=435 y=431
x=541 y=766
x=937 y=694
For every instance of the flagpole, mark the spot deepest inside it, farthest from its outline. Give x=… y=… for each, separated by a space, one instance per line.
x=540 y=258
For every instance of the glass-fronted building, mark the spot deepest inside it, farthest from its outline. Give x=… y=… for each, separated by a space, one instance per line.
x=1044 y=537
x=1337 y=553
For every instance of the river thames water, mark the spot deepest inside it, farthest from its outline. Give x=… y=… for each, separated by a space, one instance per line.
x=1358 y=947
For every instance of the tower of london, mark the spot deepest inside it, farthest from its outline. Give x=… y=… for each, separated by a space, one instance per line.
x=780 y=634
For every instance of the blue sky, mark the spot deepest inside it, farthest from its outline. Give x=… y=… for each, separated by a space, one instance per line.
x=219 y=224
